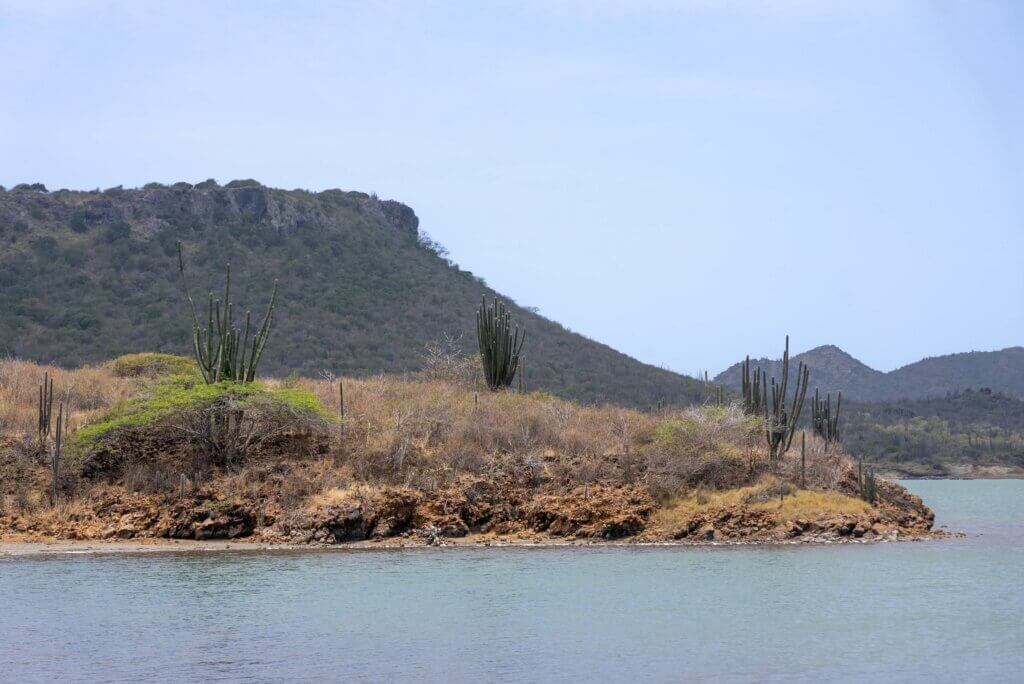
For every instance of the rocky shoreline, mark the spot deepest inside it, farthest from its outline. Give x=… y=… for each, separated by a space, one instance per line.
x=475 y=512
x=16 y=546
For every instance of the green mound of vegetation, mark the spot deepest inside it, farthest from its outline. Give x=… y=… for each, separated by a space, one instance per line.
x=179 y=394
x=152 y=365
x=675 y=431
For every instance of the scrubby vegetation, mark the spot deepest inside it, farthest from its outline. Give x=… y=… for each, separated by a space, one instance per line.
x=963 y=433
x=151 y=365
x=422 y=457
x=88 y=276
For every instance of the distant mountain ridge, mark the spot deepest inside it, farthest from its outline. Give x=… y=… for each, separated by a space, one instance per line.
x=832 y=370
x=88 y=275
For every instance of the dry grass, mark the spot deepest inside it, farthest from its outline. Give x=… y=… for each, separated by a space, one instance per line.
x=772 y=495
x=89 y=390
x=426 y=433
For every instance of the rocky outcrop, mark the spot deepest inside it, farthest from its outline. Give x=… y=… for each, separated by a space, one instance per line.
x=602 y=512
x=148 y=211
x=467 y=508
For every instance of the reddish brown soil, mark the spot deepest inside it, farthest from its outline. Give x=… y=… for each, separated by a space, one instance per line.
x=472 y=508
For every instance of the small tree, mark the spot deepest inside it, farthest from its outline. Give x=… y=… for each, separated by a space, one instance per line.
x=500 y=344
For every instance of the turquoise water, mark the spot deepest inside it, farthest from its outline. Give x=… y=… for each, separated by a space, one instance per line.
x=946 y=611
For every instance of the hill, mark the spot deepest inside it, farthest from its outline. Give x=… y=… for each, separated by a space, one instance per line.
x=833 y=370
x=962 y=434
x=86 y=276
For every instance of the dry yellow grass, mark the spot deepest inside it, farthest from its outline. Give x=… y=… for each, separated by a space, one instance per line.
x=763 y=496
x=90 y=390
x=334 y=496
x=425 y=433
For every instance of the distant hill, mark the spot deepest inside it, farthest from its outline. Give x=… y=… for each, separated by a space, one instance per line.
x=964 y=433
x=833 y=370
x=85 y=276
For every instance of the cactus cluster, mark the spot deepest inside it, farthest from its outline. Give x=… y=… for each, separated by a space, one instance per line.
x=752 y=394
x=826 y=424
x=769 y=400
x=500 y=344
x=222 y=349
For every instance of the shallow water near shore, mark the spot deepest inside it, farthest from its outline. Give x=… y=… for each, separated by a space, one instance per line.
x=946 y=610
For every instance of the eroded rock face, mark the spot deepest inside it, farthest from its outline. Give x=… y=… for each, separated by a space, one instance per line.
x=470 y=506
x=225 y=523
x=603 y=512
x=386 y=513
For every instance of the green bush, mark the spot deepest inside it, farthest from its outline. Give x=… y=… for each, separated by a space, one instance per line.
x=179 y=394
x=151 y=365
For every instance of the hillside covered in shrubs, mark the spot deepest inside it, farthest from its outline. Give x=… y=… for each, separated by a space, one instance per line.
x=974 y=433
x=88 y=276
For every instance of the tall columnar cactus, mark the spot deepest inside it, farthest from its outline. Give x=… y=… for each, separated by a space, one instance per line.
x=221 y=349
x=55 y=460
x=500 y=344
x=803 y=460
x=826 y=424
x=45 y=409
x=867 y=483
x=780 y=421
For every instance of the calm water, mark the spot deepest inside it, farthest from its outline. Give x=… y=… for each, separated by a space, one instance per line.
x=933 y=611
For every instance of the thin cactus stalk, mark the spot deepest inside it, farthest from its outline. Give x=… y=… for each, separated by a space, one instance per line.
x=55 y=462
x=826 y=424
x=341 y=398
x=500 y=344
x=45 y=410
x=803 y=460
x=223 y=351
x=867 y=483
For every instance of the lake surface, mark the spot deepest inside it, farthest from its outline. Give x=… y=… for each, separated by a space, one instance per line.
x=946 y=611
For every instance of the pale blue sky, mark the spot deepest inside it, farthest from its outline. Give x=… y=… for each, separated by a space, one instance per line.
x=685 y=181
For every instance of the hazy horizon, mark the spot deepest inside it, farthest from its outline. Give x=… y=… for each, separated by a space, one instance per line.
x=685 y=182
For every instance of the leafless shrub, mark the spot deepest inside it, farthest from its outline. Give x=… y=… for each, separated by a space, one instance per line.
x=149 y=478
x=822 y=468
x=228 y=431
x=445 y=361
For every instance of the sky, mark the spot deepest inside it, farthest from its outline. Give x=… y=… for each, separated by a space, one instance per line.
x=687 y=181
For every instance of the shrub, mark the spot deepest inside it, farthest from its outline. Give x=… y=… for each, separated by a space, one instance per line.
x=78 y=222
x=29 y=187
x=181 y=393
x=151 y=365
x=117 y=231
x=193 y=425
